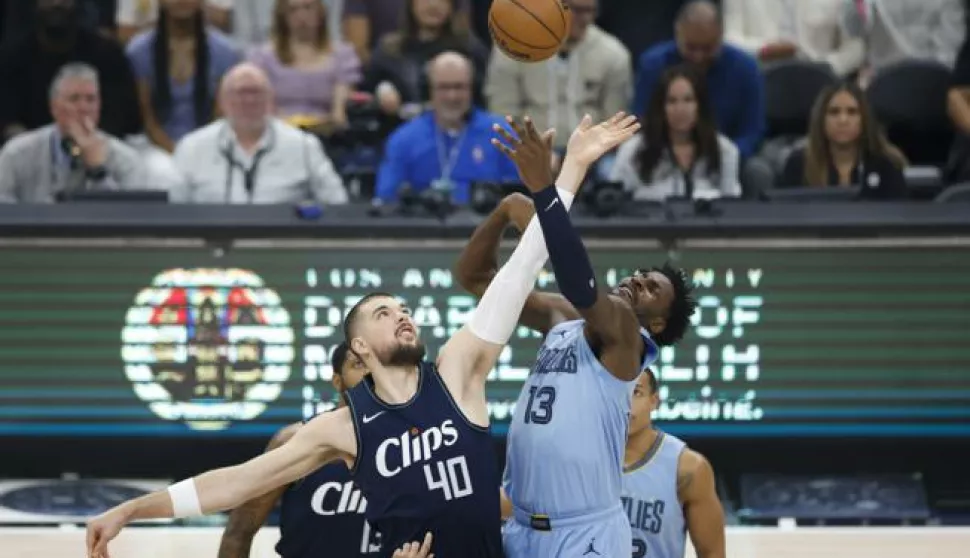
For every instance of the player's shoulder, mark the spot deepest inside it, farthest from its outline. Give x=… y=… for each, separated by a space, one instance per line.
x=690 y=463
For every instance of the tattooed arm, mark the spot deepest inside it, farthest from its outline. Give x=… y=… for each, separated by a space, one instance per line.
x=246 y=520
x=702 y=508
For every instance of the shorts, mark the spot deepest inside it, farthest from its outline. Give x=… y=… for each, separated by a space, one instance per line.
x=606 y=535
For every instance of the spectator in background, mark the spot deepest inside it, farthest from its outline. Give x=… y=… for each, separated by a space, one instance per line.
x=957 y=168
x=396 y=71
x=72 y=154
x=29 y=62
x=639 y=24
x=773 y=30
x=896 y=30
x=592 y=75
x=252 y=157
x=847 y=148
x=678 y=151
x=253 y=20
x=447 y=147
x=93 y=15
x=312 y=74
x=733 y=78
x=178 y=66
x=136 y=16
x=367 y=22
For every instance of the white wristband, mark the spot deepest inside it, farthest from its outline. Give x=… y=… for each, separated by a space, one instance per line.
x=185 y=499
x=566 y=197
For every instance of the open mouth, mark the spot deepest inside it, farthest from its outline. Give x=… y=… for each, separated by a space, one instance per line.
x=404 y=329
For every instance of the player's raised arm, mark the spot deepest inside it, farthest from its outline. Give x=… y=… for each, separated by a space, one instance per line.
x=325 y=438
x=702 y=507
x=478 y=263
x=611 y=324
x=246 y=520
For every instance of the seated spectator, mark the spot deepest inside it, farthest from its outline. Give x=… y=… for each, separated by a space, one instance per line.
x=178 y=66
x=72 y=154
x=93 y=15
x=367 y=22
x=448 y=147
x=897 y=30
x=251 y=156
x=396 y=70
x=733 y=78
x=313 y=75
x=592 y=75
x=29 y=62
x=639 y=25
x=846 y=148
x=958 y=108
x=772 y=30
x=678 y=151
x=136 y=16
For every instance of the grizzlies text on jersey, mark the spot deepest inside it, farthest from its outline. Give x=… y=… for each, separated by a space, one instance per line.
x=424 y=467
x=651 y=502
x=564 y=465
x=323 y=515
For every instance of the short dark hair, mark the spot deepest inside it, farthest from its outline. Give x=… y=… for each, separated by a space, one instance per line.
x=681 y=308
x=651 y=380
x=352 y=315
x=339 y=358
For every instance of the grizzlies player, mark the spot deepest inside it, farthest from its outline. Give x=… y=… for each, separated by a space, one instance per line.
x=323 y=512
x=415 y=434
x=566 y=441
x=668 y=489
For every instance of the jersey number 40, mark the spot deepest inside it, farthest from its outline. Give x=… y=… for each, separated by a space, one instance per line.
x=452 y=477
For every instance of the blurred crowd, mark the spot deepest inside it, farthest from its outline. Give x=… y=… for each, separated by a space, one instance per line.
x=288 y=101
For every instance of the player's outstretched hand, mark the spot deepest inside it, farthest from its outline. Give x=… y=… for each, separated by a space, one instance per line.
x=518 y=209
x=102 y=529
x=531 y=152
x=414 y=550
x=588 y=142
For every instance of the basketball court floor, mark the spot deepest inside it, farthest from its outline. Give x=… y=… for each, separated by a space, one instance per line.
x=742 y=542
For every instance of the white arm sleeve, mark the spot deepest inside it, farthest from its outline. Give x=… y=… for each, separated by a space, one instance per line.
x=498 y=311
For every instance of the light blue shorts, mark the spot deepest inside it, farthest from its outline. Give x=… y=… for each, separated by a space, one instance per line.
x=601 y=535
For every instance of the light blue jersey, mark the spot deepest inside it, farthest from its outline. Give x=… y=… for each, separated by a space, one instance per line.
x=651 y=502
x=568 y=433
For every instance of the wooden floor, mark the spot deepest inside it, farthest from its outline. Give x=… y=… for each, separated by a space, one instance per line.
x=743 y=542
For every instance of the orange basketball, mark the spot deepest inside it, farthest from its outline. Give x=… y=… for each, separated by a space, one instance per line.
x=529 y=30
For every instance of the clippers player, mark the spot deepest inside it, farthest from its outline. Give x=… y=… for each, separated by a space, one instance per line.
x=325 y=510
x=668 y=489
x=415 y=434
x=564 y=464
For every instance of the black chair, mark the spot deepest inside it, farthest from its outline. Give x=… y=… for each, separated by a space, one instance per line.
x=791 y=88
x=909 y=99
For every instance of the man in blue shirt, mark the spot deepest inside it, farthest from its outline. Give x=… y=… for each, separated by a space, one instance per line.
x=449 y=146
x=734 y=80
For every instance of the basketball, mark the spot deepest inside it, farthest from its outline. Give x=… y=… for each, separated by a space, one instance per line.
x=529 y=30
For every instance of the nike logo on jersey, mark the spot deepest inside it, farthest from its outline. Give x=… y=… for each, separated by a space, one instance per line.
x=553 y=203
x=368 y=419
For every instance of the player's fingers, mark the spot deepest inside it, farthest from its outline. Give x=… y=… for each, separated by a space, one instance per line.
x=530 y=130
x=616 y=118
x=586 y=123
x=628 y=121
x=549 y=137
x=517 y=128
x=505 y=135
x=509 y=152
x=426 y=545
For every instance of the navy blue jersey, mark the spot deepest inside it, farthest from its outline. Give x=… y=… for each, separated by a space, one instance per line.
x=323 y=515
x=424 y=467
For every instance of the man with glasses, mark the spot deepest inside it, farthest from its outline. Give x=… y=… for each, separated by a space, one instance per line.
x=446 y=148
x=250 y=156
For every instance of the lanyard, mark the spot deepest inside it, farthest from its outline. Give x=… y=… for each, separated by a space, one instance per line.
x=448 y=157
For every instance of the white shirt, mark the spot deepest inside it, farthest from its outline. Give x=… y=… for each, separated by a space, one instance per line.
x=667 y=180
x=288 y=166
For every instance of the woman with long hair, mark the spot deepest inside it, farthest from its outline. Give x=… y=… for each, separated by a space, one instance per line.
x=312 y=74
x=396 y=70
x=178 y=66
x=678 y=151
x=846 y=147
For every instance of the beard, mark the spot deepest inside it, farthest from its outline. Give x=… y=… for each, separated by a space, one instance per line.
x=405 y=355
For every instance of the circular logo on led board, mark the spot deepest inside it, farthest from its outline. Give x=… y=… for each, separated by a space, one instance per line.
x=207 y=346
